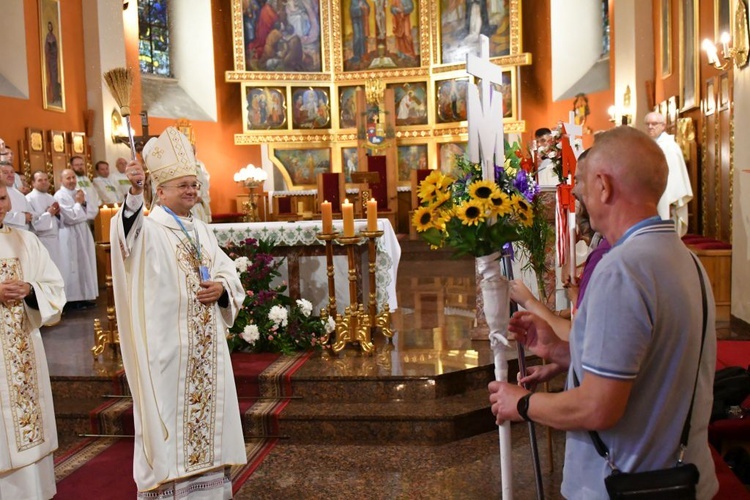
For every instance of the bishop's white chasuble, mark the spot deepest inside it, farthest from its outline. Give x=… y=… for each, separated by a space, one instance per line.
x=174 y=349
x=27 y=428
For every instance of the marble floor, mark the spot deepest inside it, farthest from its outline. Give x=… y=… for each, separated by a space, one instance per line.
x=432 y=328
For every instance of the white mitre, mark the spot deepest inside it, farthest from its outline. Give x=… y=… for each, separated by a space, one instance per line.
x=169 y=156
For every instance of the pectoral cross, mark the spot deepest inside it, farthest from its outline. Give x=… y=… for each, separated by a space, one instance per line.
x=486 y=115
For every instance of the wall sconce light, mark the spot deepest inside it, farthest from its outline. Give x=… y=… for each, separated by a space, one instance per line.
x=739 y=52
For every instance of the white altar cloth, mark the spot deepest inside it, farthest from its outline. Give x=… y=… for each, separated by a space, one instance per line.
x=313 y=274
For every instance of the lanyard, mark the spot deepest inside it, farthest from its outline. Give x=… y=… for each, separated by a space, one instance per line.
x=203 y=270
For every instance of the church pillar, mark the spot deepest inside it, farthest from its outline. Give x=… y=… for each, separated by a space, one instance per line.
x=633 y=46
x=104 y=48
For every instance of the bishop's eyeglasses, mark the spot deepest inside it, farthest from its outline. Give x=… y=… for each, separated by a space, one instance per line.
x=183 y=186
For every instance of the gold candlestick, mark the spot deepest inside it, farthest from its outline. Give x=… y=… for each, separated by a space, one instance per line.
x=329 y=238
x=380 y=321
x=109 y=337
x=354 y=325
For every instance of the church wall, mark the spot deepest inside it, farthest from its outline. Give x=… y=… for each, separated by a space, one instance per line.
x=741 y=208
x=537 y=108
x=17 y=114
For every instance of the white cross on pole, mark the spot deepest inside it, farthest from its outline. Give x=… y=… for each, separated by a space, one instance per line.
x=485 y=115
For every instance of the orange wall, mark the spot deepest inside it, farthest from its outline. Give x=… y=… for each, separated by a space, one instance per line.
x=536 y=80
x=214 y=141
x=17 y=114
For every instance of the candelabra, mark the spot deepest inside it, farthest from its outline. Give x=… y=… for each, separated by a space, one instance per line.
x=251 y=177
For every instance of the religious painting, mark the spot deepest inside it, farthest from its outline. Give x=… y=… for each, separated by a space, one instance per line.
x=723 y=91
x=411 y=157
x=411 y=103
x=710 y=102
x=53 y=82
x=508 y=90
x=462 y=22
x=349 y=162
x=689 y=62
x=77 y=143
x=281 y=35
x=348 y=107
x=380 y=34
x=722 y=18
x=311 y=108
x=451 y=100
x=265 y=108
x=447 y=153
x=665 y=32
x=300 y=167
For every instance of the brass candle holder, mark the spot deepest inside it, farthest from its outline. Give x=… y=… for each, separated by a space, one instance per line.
x=354 y=325
x=329 y=238
x=382 y=320
x=109 y=337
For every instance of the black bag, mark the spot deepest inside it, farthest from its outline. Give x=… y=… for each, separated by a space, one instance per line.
x=731 y=387
x=676 y=483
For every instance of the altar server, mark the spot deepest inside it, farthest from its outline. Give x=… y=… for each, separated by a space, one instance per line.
x=176 y=294
x=19 y=215
x=31 y=294
x=76 y=242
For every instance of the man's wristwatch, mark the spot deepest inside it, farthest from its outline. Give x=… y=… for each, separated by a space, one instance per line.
x=523 y=407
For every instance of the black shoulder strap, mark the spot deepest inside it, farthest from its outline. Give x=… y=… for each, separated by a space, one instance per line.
x=601 y=448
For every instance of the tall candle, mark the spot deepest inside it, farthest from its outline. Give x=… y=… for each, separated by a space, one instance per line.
x=300 y=207
x=347 y=213
x=326 y=213
x=106 y=216
x=372 y=214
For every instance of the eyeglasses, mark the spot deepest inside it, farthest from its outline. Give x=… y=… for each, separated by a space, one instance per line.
x=654 y=124
x=184 y=187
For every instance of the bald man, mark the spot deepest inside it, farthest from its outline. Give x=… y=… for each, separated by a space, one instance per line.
x=77 y=243
x=677 y=194
x=636 y=340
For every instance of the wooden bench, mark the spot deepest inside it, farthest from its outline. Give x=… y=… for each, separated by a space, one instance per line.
x=716 y=257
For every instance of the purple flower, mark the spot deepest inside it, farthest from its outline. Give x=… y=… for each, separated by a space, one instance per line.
x=527 y=188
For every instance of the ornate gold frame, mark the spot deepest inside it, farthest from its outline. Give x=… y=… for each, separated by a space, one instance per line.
x=689 y=101
x=334 y=78
x=291 y=186
x=665 y=36
x=49 y=12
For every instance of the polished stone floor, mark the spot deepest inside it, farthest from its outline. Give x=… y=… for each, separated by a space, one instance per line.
x=431 y=338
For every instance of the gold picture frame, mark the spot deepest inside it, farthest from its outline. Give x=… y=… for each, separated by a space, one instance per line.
x=299 y=166
x=665 y=36
x=722 y=18
x=53 y=80
x=689 y=55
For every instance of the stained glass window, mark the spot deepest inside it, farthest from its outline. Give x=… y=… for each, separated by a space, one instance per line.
x=153 y=37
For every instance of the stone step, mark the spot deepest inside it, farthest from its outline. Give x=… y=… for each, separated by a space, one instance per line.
x=426 y=422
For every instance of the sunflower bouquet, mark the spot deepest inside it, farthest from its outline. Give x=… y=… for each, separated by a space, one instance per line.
x=476 y=216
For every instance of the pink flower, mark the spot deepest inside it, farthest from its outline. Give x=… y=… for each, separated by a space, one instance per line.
x=270 y=337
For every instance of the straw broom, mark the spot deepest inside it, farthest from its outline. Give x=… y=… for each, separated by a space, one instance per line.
x=120 y=82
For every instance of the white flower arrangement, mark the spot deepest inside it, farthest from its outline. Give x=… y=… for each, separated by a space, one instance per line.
x=250 y=334
x=279 y=315
x=305 y=307
x=241 y=263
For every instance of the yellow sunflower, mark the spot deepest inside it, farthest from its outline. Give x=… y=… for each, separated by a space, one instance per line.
x=471 y=213
x=501 y=204
x=523 y=210
x=441 y=197
x=424 y=219
x=483 y=191
x=434 y=183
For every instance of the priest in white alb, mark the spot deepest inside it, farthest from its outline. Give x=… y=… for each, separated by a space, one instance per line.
x=77 y=249
x=19 y=216
x=31 y=294
x=674 y=202
x=45 y=216
x=177 y=293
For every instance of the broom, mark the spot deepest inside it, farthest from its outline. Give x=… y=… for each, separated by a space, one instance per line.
x=120 y=81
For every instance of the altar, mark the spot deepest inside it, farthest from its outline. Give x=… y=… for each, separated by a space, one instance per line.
x=313 y=278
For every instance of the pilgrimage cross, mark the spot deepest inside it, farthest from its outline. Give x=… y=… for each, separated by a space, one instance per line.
x=485 y=115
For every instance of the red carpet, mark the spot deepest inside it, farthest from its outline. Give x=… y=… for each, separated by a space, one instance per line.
x=102 y=467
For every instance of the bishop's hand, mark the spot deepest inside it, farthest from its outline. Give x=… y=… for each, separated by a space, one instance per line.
x=136 y=176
